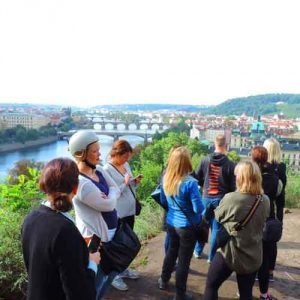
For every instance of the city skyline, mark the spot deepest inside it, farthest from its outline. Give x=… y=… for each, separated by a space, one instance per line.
x=134 y=52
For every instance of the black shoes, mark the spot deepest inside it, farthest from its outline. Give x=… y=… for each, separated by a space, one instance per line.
x=186 y=296
x=161 y=284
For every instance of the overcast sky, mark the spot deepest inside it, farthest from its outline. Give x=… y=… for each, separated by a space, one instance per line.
x=156 y=51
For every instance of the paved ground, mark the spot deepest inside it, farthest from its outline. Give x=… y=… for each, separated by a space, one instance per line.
x=287 y=274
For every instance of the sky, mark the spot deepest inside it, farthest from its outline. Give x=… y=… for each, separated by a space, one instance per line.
x=95 y=52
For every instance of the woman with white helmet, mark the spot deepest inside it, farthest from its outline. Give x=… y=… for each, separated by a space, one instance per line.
x=95 y=201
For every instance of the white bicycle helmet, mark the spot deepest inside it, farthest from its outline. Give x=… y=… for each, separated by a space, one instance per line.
x=80 y=140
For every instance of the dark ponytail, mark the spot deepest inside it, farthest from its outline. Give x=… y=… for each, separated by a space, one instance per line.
x=58 y=179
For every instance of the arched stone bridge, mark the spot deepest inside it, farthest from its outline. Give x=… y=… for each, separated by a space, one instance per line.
x=116 y=134
x=102 y=122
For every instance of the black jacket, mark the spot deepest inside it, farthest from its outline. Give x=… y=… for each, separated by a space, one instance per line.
x=56 y=258
x=215 y=174
x=270 y=180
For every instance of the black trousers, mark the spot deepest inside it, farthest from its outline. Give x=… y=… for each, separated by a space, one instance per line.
x=269 y=248
x=218 y=272
x=181 y=245
x=129 y=220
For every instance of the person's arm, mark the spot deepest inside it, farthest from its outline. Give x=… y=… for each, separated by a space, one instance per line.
x=195 y=197
x=91 y=196
x=199 y=173
x=114 y=191
x=282 y=174
x=223 y=211
x=72 y=258
x=231 y=176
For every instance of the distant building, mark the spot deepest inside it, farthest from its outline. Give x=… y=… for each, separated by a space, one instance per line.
x=29 y=121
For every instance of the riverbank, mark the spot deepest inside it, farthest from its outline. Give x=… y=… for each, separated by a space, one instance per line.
x=29 y=144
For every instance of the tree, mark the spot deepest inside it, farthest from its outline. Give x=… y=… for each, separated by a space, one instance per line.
x=232 y=155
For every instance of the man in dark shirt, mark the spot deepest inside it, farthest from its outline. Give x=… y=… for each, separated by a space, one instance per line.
x=215 y=175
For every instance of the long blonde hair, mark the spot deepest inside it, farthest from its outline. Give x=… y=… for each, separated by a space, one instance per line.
x=274 y=151
x=248 y=178
x=179 y=165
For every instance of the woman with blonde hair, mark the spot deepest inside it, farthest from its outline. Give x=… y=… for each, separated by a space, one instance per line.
x=243 y=252
x=274 y=158
x=181 y=195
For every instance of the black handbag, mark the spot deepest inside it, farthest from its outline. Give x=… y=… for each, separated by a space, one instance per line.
x=272 y=231
x=155 y=195
x=223 y=235
x=201 y=230
x=118 y=254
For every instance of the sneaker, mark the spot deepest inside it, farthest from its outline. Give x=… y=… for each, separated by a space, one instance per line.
x=269 y=297
x=161 y=284
x=209 y=261
x=271 y=277
x=128 y=273
x=119 y=284
x=197 y=255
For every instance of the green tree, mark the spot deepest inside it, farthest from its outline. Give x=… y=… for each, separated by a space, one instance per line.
x=232 y=155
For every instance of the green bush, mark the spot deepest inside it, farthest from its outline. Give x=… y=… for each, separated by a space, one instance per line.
x=292 y=191
x=16 y=200
x=12 y=271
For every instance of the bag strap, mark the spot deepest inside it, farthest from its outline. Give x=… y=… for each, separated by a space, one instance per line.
x=241 y=225
x=128 y=184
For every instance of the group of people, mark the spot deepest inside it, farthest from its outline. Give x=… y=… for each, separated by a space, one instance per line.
x=236 y=198
x=55 y=250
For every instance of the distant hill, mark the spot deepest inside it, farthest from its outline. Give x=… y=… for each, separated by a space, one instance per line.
x=288 y=104
x=155 y=107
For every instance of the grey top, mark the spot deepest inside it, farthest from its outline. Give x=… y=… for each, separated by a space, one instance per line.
x=89 y=203
x=243 y=253
x=126 y=202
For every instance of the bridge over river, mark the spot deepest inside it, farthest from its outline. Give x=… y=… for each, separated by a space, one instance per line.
x=115 y=133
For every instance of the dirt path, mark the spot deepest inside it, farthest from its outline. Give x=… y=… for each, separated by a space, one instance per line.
x=287 y=274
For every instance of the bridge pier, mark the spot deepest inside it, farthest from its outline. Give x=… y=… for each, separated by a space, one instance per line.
x=116 y=137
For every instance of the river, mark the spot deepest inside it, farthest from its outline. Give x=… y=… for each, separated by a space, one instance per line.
x=47 y=152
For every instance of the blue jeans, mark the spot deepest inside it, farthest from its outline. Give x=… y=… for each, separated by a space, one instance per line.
x=103 y=282
x=209 y=203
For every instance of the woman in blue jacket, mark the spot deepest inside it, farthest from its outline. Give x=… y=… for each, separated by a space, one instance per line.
x=180 y=192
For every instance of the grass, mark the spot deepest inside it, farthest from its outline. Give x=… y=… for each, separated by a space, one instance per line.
x=292 y=191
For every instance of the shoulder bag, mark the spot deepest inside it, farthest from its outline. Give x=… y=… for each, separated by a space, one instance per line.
x=223 y=236
x=272 y=231
x=201 y=230
x=118 y=254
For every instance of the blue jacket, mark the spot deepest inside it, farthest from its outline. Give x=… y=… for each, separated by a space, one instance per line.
x=189 y=199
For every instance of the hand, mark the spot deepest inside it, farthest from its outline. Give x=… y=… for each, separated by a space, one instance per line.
x=138 y=179
x=95 y=257
x=127 y=178
x=103 y=195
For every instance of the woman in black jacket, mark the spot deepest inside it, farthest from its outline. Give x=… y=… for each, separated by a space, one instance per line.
x=274 y=158
x=270 y=186
x=56 y=256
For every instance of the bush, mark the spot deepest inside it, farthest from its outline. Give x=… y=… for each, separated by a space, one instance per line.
x=16 y=200
x=12 y=270
x=292 y=191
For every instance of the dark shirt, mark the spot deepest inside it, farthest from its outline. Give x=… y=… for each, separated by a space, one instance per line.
x=215 y=174
x=110 y=217
x=56 y=258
